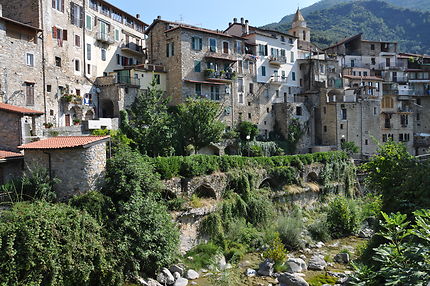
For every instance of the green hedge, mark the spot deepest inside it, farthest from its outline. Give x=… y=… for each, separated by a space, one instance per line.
x=197 y=165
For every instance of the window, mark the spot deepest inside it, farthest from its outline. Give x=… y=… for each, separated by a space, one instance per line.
x=419 y=101
x=116 y=35
x=366 y=142
x=238 y=47
x=263 y=71
x=103 y=54
x=268 y=110
x=251 y=87
x=249 y=116
x=76 y=14
x=341 y=126
x=373 y=60
x=374 y=111
x=157 y=78
x=387 y=102
x=29 y=93
x=225 y=47
x=198 y=89
x=88 y=69
x=277 y=93
x=116 y=16
x=263 y=50
x=89 y=23
x=60 y=35
x=77 y=65
x=325 y=128
x=240 y=85
x=298 y=110
x=418 y=116
x=293 y=76
x=372 y=47
x=170 y=50
x=48 y=88
x=384 y=138
x=58 y=61
x=77 y=40
x=93 y=4
x=105 y=10
x=197 y=43
x=325 y=110
x=352 y=63
x=89 y=52
x=212 y=45
x=240 y=97
x=388 y=62
x=292 y=57
x=118 y=59
x=282 y=39
x=58 y=5
x=215 y=93
x=197 y=66
x=29 y=59
x=344 y=114
x=404 y=120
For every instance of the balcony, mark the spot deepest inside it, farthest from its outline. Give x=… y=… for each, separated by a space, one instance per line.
x=404 y=109
x=277 y=60
x=129 y=81
x=219 y=76
x=133 y=49
x=104 y=38
x=277 y=80
x=220 y=56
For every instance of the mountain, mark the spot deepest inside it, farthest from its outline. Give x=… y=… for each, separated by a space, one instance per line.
x=377 y=20
x=420 y=5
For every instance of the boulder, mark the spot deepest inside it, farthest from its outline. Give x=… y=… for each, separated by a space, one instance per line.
x=317 y=263
x=152 y=282
x=181 y=282
x=319 y=244
x=288 y=279
x=177 y=268
x=250 y=272
x=192 y=274
x=220 y=262
x=342 y=258
x=296 y=265
x=165 y=277
x=176 y=275
x=266 y=268
x=365 y=233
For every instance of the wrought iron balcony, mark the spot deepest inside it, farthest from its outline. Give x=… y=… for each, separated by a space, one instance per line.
x=104 y=38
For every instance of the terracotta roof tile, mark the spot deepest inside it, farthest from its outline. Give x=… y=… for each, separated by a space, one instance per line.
x=8 y=154
x=61 y=142
x=17 y=109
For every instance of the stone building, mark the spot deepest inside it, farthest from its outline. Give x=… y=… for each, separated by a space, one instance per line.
x=11 y=166
x=17 y=126
x=21 y=66
x=79 y=41
x=79 y=162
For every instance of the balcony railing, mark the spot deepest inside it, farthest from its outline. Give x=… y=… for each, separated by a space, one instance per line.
x=126 y=80
x=276 y=79
x=277 y=60
x=219 y=75
x=105 y=38
x=133 y=48
x=405 y=109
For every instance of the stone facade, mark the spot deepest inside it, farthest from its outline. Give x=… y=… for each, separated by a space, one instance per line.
x=79 y=169
x=10 y=169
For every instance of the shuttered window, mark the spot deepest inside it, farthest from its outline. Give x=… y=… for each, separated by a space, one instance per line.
x=29 y=93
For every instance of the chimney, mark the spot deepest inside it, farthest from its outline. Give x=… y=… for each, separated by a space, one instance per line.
x=138 y=16
x=242 y=20
x=158 y=17
x=229 y=24
x=235 y=20
x=246 y=27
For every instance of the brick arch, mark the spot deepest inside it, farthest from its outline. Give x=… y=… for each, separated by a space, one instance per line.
x=206 y=191
x=312 y=177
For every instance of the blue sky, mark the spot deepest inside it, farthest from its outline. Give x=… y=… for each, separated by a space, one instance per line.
x=212 y=14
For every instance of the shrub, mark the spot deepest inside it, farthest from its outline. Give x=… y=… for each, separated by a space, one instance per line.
x=235 y=251
x=260 y=209
x=203 y=255
x=286 y=175
x=276 y=251
x=45 y=244
x=343 y=217
x=290 y=228
x=145 y=235
x=319 y=230
x=322 y=279
x=247 y=130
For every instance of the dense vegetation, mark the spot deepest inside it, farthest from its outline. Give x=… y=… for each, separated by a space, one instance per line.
x=377 y=20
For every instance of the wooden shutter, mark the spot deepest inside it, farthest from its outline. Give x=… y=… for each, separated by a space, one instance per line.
x=72 y=13
x=64 y=35
x=266 y=52
x=62 y=5
x=54 y=32
x=30 y=93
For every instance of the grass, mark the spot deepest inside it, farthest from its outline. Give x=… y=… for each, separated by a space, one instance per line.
x=322 y=279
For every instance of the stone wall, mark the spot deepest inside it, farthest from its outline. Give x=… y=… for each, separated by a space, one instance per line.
x=80 y=170
x=25 y=11
x=10 y=170
x=10 y=131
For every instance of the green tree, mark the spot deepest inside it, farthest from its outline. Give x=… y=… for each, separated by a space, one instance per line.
x=198 y=124
x=148 y=122
x=53 y=244
x=350 y=148
x=295 y=132
x=247 y=130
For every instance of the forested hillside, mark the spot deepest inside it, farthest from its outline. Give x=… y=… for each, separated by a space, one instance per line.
x=377 y=20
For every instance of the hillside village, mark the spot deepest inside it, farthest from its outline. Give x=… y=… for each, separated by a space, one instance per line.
x=70 y=75
x=131 y=151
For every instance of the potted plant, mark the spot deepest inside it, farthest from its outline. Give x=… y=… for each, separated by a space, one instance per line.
x=76 y=121
x=48 y=125
x=209 y=72
x=67 y=98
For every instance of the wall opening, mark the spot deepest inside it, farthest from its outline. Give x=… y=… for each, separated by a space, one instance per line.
x=205 y=191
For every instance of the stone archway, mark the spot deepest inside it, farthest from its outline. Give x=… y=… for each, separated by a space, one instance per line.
x=205 y=191
x=266 y=183
x=312 y=177
x=89 y=115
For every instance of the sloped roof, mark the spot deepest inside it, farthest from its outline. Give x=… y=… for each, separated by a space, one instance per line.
x=298 y=17
x=62 y=142
x=17 y=109
x=9 y=155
